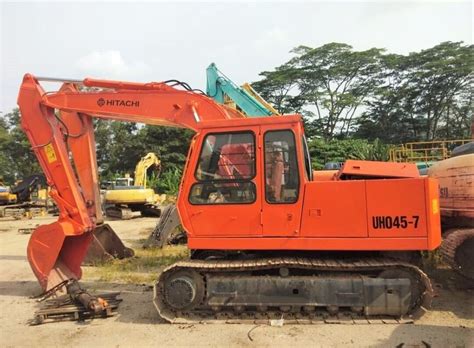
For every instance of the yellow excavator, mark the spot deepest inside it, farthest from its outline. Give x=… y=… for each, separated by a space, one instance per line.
x=6 y=197
x=123 y=197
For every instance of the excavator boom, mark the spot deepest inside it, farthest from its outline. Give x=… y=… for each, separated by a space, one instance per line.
x=60 y=123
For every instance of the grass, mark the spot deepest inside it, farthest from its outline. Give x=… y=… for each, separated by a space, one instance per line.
x=143 y=268
x=432 y=259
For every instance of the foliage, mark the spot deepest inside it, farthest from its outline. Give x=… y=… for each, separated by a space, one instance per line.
x=322 y=151
x=5 y=163
x=371 y=94
x=170 y=144
x=334 y=81
x=17 y=160
x=426 y=95
x=119 y=147
x=278 y=86
x=168 y=182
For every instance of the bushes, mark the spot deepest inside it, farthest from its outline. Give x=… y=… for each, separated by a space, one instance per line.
x=167 y=182
x=322 y=151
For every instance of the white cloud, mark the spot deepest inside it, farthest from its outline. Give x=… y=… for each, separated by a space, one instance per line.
x=111 y=64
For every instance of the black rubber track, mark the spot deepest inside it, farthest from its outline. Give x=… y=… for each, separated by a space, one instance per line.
x=355 y=267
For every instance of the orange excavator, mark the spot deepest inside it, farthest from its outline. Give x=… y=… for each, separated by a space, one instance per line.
x=266 y=237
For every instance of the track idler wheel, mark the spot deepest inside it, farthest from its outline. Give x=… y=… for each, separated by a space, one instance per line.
x=183 y=290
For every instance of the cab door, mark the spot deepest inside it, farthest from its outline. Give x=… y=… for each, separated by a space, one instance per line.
x=224 y=198
x=282 y=184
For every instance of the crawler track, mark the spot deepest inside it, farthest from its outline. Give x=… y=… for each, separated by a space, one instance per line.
x=116 y=212
x=204 y=309
x=458 y=251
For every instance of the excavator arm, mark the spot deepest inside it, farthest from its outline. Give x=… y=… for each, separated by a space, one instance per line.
x=150 y=159
x=221 y=88
x=59 y=126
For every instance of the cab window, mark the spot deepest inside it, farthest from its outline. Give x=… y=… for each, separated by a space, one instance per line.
x=225 y=170
x=281 y=167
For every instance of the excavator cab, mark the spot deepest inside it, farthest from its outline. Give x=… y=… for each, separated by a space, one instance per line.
x=249 y=173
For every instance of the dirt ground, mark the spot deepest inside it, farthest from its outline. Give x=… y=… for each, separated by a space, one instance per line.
x=450 y=323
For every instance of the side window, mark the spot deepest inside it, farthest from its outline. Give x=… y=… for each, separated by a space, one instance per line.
x=225 y=170
x=281 y=167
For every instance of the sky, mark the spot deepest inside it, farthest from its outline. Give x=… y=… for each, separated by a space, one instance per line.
x=155 y=41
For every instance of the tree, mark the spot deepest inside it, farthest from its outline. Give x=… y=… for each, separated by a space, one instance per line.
x=6 y=166
x=387 y=116
x=331 y=82
x=426 y=95
x=18 y=159
x=335 y=81
x=435 y=77
x=340 y=92
x=171 y=144
x=125 y=148
x=280 y=88
x=103 y=135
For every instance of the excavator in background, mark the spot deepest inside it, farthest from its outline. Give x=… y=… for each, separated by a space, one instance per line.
x=267 y=240
x=456 y=186
x=252 y=92
x=245 y=99
x=27 y=198
x=6 y=197
x=123 y=198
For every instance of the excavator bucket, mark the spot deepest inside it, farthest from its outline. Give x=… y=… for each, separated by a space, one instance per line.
x=167 y=230
x=55 y=254
x=106 y=245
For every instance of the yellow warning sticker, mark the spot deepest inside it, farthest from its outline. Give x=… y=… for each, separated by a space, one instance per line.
x=50 y=154
x=435 y=206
